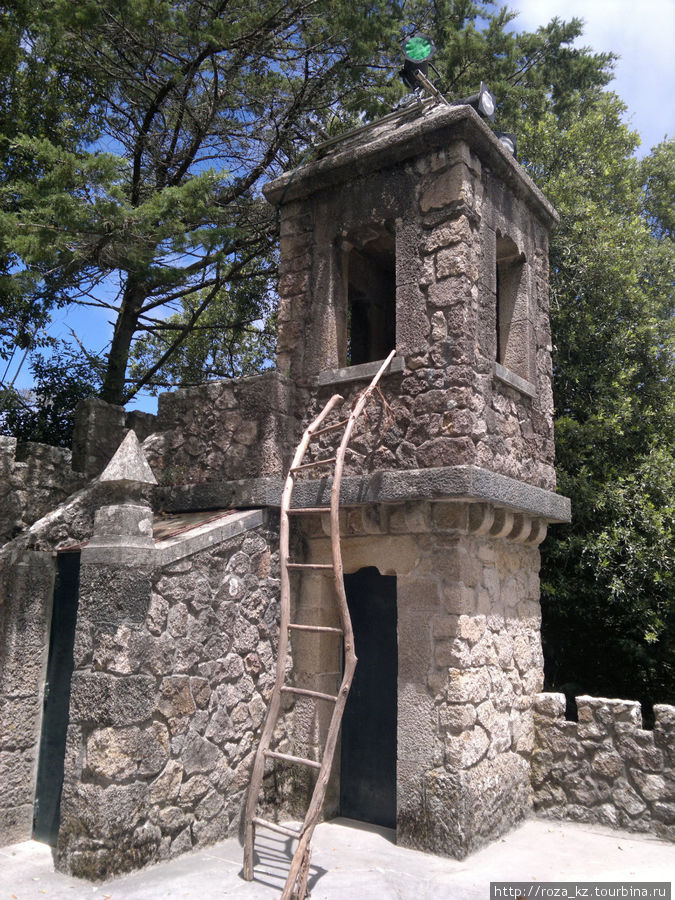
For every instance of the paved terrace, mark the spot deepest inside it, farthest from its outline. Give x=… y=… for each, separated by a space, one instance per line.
x=352 y=861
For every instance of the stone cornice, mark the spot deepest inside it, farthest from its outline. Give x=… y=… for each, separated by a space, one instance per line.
x=403 y=137
x=444 y=483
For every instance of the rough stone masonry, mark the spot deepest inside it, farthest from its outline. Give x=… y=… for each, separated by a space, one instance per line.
x=419 y=234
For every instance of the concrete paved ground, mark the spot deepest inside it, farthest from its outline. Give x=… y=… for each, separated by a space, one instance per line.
x=352 y=861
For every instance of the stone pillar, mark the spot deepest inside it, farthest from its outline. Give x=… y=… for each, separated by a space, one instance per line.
x=26 y=587
x=470 y=665
x=103 y=825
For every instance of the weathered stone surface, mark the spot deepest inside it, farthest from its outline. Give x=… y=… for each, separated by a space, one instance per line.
x=165 y=788
x=605 y=768
x=651 y=787
x=175 y=697
x=467 y=748
x=168 y=706
x=468 y=686
x=608 y=764
x=106 y=699
x=15 y=777
x=129 y=464
x=199 y=755
x=112 y=595
x=34 y=479
x=18 y=722
x=224 y=429
x=119 y=753
x=457 y=812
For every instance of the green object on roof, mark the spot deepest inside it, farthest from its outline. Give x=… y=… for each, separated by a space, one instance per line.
x=418 y=48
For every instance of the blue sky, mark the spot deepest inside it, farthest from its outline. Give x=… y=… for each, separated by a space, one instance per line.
x=640 y=32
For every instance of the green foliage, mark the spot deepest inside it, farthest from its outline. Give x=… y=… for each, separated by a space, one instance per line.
x=235 y=337
x=144 y=189
x=136 y=134
x=607 y=580
x=46 y=414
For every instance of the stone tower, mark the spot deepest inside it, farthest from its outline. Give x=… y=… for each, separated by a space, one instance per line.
x=420 y=233
x=417 y=233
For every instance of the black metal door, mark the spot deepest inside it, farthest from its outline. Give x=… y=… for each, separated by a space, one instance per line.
x=56 y=699
x=368 y=757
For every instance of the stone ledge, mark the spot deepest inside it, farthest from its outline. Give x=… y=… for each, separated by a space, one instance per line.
x=446 y=483
x=358 y=373
x=506 y=376
x=207 y=535
x=168 y=551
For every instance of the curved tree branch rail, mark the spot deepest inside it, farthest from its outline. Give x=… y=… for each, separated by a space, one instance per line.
x=296 y=883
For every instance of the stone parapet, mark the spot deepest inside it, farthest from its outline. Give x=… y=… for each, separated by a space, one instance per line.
x=34 y=479
x=605 y=768
x=222 y=430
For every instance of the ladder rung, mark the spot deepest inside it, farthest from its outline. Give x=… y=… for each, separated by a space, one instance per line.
x=305 y=693
x=317 y=462
x=294 y=759
x=324 y=566
x=301 y=510
x=326 y=628
x=290 y=832
x=332 y=427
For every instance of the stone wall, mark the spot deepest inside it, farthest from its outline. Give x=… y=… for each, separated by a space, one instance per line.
x=222 y=431
x=34 y=479
x=470 y=661
x=605 y=768
x=172 y=674
x=25 y=608
x=99 y=429
x=26 y=592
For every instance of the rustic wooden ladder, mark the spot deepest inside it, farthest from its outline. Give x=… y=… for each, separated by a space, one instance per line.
x=296 y=883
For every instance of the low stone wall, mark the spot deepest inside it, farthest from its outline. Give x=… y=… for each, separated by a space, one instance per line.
x=605 y=768
x=222 y=431
x=173 y=670
x=34 y=479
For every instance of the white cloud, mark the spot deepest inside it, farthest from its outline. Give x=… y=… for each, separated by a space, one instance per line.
x=642 y=33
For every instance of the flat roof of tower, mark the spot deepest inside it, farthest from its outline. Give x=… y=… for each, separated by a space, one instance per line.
x=405 y=134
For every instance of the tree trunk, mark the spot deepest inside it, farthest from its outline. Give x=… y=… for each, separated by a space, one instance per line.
x=113 y=388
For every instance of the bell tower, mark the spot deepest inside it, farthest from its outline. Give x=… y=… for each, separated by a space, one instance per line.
x=421 y=233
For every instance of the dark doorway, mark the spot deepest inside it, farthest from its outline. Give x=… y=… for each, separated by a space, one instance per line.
x=56 y=699
x=368 y=758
